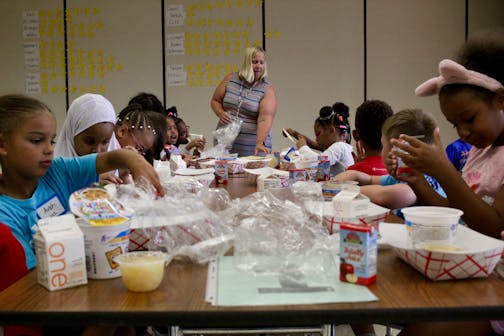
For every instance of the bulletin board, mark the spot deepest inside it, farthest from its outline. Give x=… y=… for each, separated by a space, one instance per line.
x=114 y=49
x=204 y=41
x=32 y=61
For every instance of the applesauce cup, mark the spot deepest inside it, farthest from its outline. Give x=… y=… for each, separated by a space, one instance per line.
x=142 y=271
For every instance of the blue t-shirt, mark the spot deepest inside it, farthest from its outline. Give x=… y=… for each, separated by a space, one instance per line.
x=457 y=153
x=50 y=198
x=386 y=180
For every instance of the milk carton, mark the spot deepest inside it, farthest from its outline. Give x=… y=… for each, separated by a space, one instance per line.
x=358 y=253
x=59 y=246
x=349 y=203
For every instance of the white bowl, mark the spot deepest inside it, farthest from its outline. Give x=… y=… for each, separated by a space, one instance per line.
x=431 y=224
x=476 y=258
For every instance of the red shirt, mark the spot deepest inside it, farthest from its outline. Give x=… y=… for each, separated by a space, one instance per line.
x=13 y=263
x=372 y=165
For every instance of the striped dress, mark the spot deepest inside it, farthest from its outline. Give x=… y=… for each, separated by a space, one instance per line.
x=240 y=95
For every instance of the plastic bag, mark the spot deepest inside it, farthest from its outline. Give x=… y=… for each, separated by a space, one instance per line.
x=180 y=225
x=226 y=134
x=279 y=236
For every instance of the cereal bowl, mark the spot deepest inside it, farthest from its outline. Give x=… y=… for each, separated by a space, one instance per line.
x=142 y=271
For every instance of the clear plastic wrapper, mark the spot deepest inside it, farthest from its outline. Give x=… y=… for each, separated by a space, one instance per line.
x=275 y=234
x=226 y=134
x=179 y=224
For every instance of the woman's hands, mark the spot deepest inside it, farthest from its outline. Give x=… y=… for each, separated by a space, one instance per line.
x=260 y=147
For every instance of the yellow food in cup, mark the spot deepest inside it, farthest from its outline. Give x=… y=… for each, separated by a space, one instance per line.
x=142 y=271
x=436 y=247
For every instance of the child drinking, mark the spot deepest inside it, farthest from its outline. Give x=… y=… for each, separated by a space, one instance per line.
x=386 y=190
x=35 y=185
x=471 y=97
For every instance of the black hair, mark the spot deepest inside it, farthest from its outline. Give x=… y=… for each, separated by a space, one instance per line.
x=171 y=112
x=139 y=119
x=369 y=119
x=336 y=115
x=148 y=101
x=483 y=52
x=15 y=108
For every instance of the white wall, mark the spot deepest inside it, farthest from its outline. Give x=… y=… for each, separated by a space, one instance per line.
x=320 y=53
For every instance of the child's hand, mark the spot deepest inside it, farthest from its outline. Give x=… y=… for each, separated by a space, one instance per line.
x=391 y=164
x=294 y=133
x=140 y=168
x=301 y=142
x=110 y=178
x=361 y=153
x=425 y=158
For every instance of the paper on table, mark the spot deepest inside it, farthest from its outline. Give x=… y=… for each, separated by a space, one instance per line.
x=237 y=288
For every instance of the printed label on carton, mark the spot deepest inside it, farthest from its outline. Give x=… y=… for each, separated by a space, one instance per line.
x=358 y=253
x=59 y=246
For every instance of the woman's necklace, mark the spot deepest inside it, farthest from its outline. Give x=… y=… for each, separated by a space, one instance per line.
x=241 y=97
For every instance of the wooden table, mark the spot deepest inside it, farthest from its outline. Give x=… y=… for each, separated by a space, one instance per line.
x=404 y=296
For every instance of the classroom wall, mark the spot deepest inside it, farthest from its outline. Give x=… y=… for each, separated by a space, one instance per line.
x=318 y=52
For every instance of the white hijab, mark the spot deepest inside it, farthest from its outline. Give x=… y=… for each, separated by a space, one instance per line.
x=84 y=112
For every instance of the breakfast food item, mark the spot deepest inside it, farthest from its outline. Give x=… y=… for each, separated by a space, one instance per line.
x=93 y=194
x=98 y=207
x=142 y=271
x=436 y=247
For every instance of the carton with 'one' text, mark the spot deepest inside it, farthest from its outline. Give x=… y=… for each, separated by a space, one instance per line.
x=59 y=246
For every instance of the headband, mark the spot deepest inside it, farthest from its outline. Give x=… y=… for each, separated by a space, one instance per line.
x=454 y=73
x=328 y=117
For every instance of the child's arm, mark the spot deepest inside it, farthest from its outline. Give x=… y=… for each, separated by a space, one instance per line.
x=390 y=196
x=432 y=160
x=309 y=142
x=354 y=175
x=127 y=159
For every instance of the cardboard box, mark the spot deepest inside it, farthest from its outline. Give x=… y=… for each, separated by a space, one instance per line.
x=59 y=246
x=358 y=253
x=349 y=203
x=472 y=254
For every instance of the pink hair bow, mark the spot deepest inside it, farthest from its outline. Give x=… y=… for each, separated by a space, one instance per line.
x=450 y=73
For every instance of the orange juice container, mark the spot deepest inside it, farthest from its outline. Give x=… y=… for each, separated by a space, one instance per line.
x=358 y=253
x=221 y=171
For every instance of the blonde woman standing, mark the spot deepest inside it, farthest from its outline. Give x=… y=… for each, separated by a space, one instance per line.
x=249 y=96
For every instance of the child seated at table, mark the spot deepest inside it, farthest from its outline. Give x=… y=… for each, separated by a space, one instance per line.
x=141 y=131
x=185 y=143
x=35 y=185
x=386 y=190
x=33 y=181
x=369 y=119
x=332 y=131
x=471 y=97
